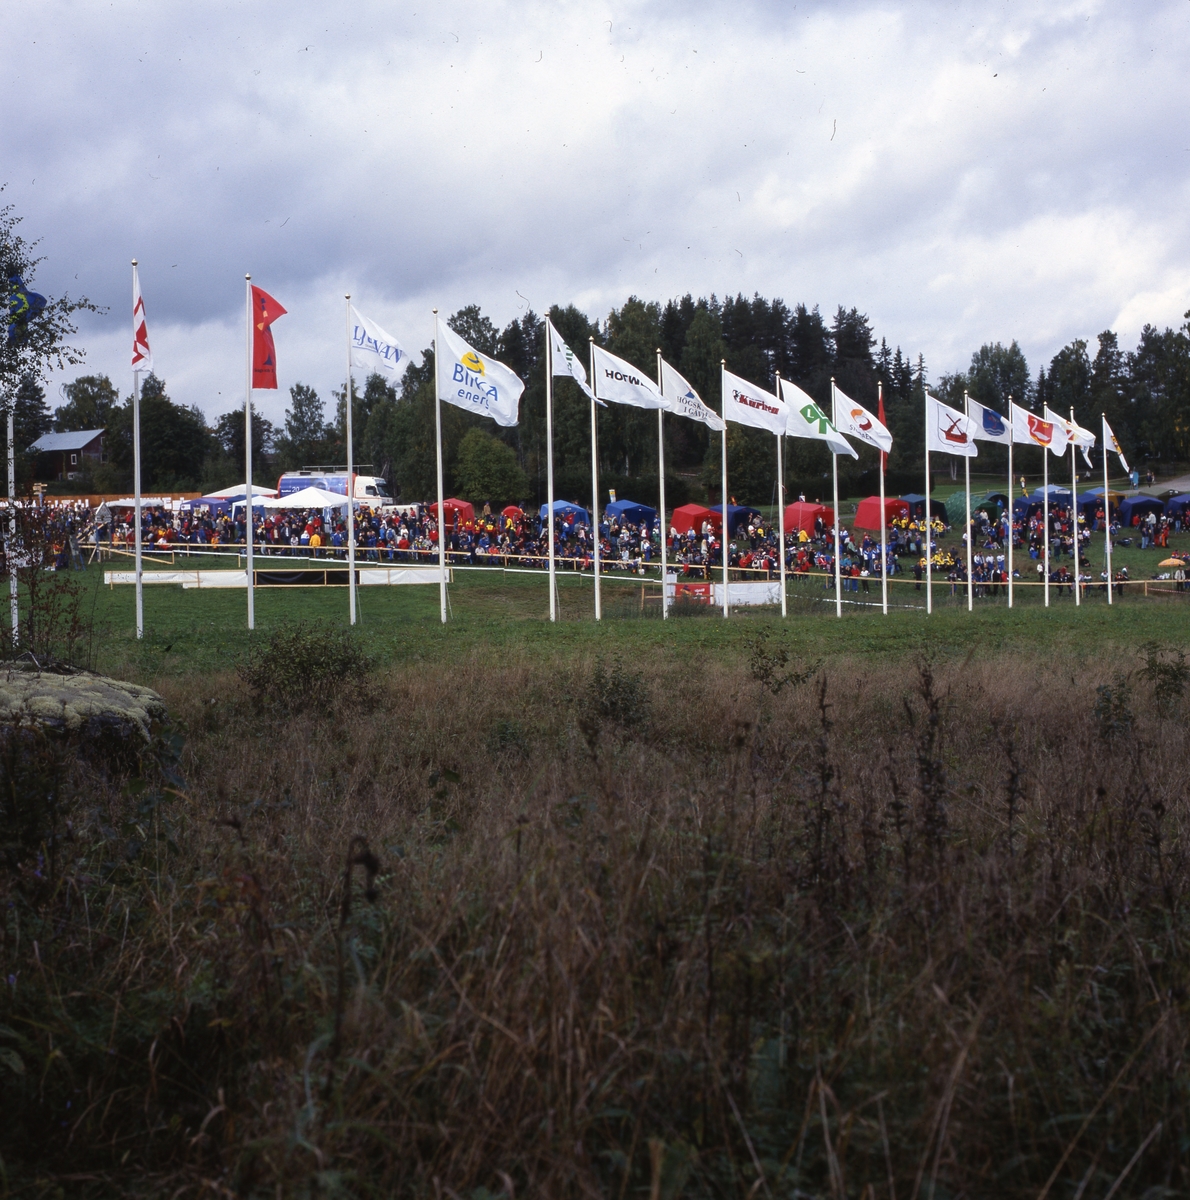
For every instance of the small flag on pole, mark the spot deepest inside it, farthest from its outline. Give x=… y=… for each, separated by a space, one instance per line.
x=1112 y=443
x=23 y=306
x=373 y=349
x=855 y=421
x=474 y=382
x=265 y=310
x=142 y=356
x=990 y=426
x=804 y=419
x=747 y=404
x=619 y=381
x=684 y=401
x=949 y=431
x=565 y=362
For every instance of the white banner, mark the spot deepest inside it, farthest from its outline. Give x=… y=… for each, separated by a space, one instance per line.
x=374 y=350
x=621 y=382
x=747 y=404
x=804 y=419
x=142 y=356
x=855 y=421
x=1111 y=442
x=565 y=361
x=682 y=399
x=473 y=381
x=1036 y=431
x=990 y=426
x=949 y=431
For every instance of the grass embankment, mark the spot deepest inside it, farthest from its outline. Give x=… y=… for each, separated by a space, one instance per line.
x=647 y=928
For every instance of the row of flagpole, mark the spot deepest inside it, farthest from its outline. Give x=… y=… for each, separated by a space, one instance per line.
x=483 y=385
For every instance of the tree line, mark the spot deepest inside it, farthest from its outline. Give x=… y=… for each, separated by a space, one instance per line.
x=1145 y=394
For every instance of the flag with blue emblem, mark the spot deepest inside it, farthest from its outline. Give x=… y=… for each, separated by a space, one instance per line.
x=682 y=399
x=990 y=426
x=470 y=380
x=23 y=306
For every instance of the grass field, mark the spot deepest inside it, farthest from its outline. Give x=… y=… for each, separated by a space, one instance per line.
x=870 y=907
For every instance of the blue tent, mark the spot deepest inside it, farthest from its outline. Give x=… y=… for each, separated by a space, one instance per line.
x=1139 y=506
x=1178 y=504
x=564 y=509
x=917 y=506
x=629 y=510
x=737 y=515
x=1058 y=495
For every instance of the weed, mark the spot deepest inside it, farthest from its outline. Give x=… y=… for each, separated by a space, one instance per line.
x=1112 y=709
x=617 y=696
x=306 y=664
x=1168 y=671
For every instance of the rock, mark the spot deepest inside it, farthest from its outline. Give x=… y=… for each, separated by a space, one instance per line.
x=78 y=702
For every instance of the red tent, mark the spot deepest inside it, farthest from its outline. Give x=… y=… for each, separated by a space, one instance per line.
x=803 y=515
x=867 y=515
x=689 y=517
x=458 y=512
x=512 y=511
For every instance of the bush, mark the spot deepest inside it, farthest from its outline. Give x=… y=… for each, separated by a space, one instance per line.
x=305 y=664
x=618 y=697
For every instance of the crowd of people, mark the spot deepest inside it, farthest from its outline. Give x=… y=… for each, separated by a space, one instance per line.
x=515 y=537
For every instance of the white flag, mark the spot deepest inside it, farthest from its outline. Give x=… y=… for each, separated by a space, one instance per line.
x=855 y=421
x=142 y=356
x=1084 y=439
x=682 y=399
x=948 y=430
x=1112 y=443
x=990 y=426
x=1035 y=431
x=565 y=361
x=373 y=349
x=473 y=381
x=621 y=383
x=748 y=404
x=804 y=419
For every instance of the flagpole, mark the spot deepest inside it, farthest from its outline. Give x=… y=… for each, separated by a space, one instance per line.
x=929 y=556
x=1011 y=501
x=781 y=506
x=967 y=485
x=1045 y=508
x=441 y=494
x=347 y=404
x=723 y=482
x=248 y=459
x=838 y=540
x=883 y=516
x=549 y=462
x=10 y=551
x=661 y=480
x=1107 y=511
x=594 y=478
x=1074 y=505
x=140 y=594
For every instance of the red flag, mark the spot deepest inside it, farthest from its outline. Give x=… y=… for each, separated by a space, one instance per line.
x=265 y=310
x=880 y=414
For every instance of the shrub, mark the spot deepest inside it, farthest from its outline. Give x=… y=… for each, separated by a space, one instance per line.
x=307 y=663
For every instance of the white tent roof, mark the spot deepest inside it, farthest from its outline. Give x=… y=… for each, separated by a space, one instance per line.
x=238 y=489
x=309 y=497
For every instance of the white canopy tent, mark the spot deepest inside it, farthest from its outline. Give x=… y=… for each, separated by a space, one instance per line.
x=308 y=497
x=238 y=489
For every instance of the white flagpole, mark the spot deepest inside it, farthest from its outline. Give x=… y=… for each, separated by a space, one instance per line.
x=1011 y=499
x=441 y=493
x=347 y=405
x=11 y=548
x=883 y=522
x=594 y=480
x=1045 y=508
x=140 y=593
x=661 y=481
x=781 y=507
x=838 y=540
x=1107 y=511
x=929 y=556
x=723 y=494
x=1074 y=506
x=967 y=484
x=549 y=462
x=248 y=460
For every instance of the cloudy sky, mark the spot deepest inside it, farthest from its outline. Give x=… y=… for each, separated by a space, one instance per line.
x=962 y=172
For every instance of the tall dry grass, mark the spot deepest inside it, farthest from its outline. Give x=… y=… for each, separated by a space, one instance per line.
x=893 y=931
